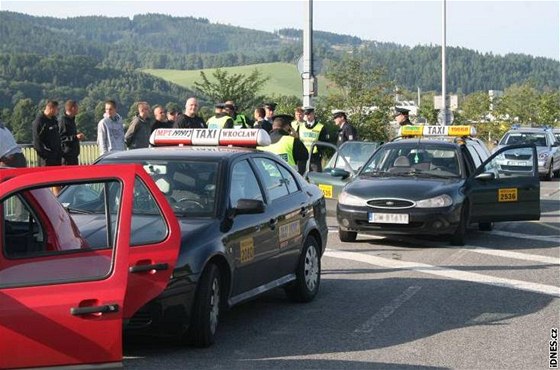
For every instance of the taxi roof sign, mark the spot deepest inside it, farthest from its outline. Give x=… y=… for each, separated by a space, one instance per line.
x=457 y=131
x=222 y=137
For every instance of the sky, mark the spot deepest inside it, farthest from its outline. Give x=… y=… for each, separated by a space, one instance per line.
x=498 y=27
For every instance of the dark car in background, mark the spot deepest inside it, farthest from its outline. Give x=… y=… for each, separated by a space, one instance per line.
x=249 y=224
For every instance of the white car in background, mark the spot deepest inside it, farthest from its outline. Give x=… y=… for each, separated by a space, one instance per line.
x=548 y=151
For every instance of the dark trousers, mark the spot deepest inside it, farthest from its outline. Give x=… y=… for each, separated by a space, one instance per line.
x=14 y=160
x=315 y=164
x=49 y=162
x=70 y=161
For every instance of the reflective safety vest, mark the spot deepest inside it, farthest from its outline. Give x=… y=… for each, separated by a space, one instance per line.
x=284 y=148
x=240 y=121
x=310 y=136
x=217 y=122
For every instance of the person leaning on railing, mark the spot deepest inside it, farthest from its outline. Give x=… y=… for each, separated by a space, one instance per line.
x=10 y=152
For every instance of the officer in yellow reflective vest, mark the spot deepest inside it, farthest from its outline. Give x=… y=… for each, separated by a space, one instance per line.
x=220 y=119
x=311 y=132
x=291 y=149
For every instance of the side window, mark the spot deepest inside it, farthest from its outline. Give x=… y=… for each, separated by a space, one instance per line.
x=148 y=225
x=41 y=243
x=243 y=184
x=516 y=162
x=474 y=156
x=272 y=177
x=289 y=179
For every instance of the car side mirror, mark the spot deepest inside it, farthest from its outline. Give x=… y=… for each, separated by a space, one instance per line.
x=486 y=176
x=339 y=172
x=249 y=206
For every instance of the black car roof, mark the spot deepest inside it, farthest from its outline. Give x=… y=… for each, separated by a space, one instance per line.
x=181 y=152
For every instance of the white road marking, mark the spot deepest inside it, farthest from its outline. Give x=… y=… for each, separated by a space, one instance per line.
x=386 y=311
x=546 y=225
x=445 y=272
x=515 y=255
x=544 y=238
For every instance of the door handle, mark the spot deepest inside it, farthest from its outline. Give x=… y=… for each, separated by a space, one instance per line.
x=145 y=268
x=303 y=211
x=272 y=223
x=108 y=308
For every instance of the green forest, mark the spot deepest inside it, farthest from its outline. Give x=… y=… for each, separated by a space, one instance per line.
x=90 y=59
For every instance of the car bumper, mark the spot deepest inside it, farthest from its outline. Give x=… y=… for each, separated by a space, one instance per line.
x=422 y=221
x=166 y=315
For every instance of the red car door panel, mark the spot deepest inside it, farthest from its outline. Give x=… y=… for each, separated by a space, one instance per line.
x=66 y=308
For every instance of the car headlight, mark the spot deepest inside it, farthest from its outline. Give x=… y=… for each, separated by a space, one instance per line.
x=435 y=202
x=543 y=156
x=351 y=200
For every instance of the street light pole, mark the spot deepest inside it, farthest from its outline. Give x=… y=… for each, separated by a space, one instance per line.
x=443 y=82
x=307 y=73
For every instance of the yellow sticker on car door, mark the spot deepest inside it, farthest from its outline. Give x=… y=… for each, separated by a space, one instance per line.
x=247 y=250
x=327 y=190
x=507 y=195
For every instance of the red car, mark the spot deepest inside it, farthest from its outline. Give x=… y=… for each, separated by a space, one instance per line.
x=63 y=301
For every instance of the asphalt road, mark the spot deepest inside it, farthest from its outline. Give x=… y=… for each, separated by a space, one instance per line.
x=399 y=303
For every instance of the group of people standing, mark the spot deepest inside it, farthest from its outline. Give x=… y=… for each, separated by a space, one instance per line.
x=57 y=141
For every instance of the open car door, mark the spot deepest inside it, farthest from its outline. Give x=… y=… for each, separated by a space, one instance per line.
x=506 y=186
x=62 y=301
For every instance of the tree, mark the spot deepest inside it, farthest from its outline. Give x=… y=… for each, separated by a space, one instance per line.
x=519 y=103
x=22 y=117
x=240 y=88
x=476 y=106
x=549 y=108
x=86 y=123
x=364 y=93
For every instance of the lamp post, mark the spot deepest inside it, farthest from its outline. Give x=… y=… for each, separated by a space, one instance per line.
x=443 y=82
x=307 y=73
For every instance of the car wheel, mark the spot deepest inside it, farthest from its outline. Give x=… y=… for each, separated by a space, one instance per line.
x=206 y=308
x=347 y=236
x=550 y=174
x=458 y=238
x=485 y=226
x=308 y=273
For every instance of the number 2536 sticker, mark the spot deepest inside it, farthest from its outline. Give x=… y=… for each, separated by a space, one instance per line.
x=507 y=195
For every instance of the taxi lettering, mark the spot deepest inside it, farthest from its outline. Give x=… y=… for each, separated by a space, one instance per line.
x=206 y=134
x=239 y=133
x=437 y=130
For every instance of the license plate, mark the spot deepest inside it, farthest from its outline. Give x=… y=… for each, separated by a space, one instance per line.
x=517 y=163
x=327 y=190
x=388 y=218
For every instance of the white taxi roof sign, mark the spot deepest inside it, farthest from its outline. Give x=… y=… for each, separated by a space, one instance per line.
x=210 y=137
x=457 y=131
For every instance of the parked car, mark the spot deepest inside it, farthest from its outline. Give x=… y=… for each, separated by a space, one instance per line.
x=249 y=223
x=64 y=300
x=421 y=185
x=547 y=151
x=341 y=168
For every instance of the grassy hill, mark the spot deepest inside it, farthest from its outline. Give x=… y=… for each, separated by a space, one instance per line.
x=284 y=78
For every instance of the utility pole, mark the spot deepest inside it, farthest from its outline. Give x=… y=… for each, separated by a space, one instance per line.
x=443 y=82
x=307 y=77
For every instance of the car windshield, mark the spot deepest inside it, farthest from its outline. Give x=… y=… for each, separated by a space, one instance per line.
x=189 y=186
x=355 y=152
x=429 y=160
x=524 y=138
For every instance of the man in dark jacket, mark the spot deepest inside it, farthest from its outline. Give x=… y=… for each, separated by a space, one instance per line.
x=69 y=136
x=401 y=116
x=190 y=119
x=346 y=132
x=260 y=122
x=138 y=133
x=161 y=121
x=46 y=137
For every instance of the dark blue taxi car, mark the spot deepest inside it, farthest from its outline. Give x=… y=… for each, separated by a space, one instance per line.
x=249 y=224
x=436 y=186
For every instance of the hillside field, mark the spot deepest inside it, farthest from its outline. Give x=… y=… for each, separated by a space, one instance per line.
x=284 y=78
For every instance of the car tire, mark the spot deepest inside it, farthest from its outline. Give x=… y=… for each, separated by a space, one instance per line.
x=458 y=238
x=485 y=226
x=308 y=273
x=347 y=236
x=206 y=308
x=550 y=174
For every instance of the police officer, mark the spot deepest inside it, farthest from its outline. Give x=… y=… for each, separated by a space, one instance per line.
x=220 y=119
x=311 y=132
x=346 y=132
x=401 y=116
x=292 y=150
x=269 y=109
x=239 y=120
